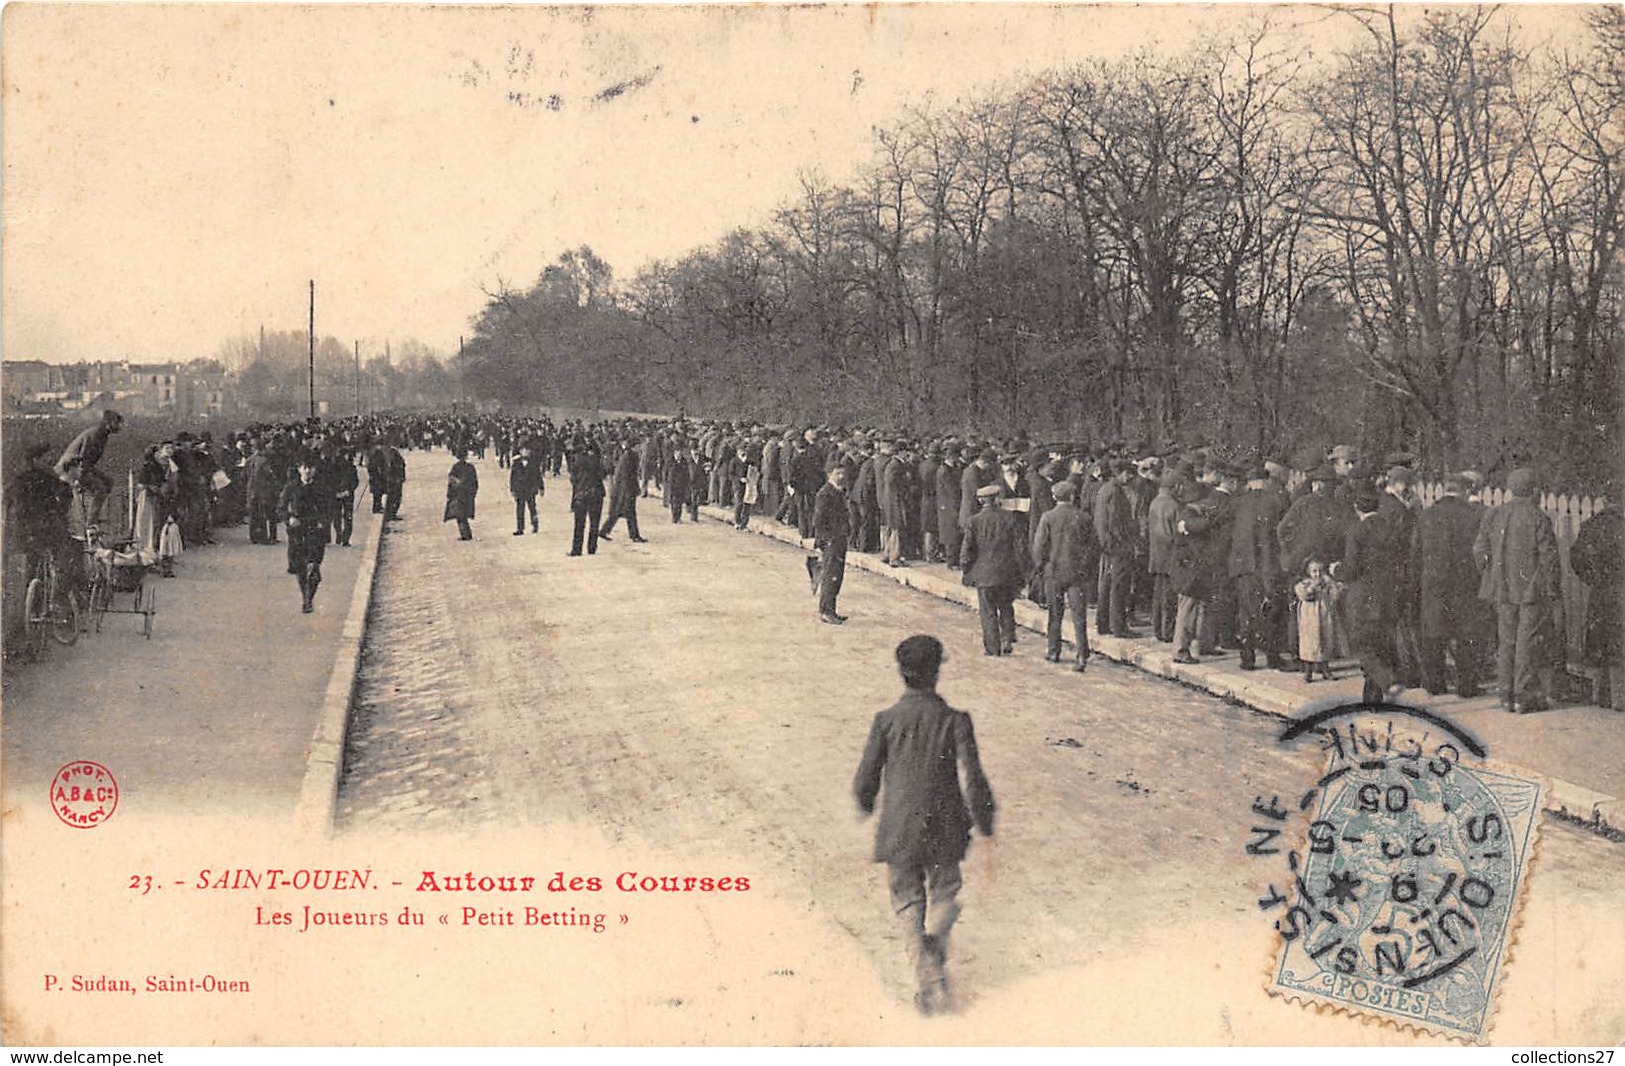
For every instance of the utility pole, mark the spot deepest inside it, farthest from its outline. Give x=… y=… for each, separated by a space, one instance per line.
x=358 y=379
x=462 y=392
x=312 y=347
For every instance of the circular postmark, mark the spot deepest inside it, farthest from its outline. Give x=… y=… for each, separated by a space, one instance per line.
x=84 y=794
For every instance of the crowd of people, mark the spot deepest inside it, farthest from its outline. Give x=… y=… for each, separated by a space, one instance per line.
x=1291 y=566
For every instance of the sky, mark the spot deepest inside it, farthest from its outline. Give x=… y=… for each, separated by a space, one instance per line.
x=175 y=176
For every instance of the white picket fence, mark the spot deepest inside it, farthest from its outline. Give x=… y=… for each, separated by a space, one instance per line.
x=1568 y=514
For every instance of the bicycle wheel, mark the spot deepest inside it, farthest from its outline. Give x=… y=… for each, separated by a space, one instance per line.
x=65 y=617
x=34 y=617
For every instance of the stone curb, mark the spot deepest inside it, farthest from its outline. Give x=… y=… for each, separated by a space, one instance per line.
x=1597 y=810
x=324 y=762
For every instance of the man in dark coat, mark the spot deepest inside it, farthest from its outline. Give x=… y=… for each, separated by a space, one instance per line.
x=948 y=488
x=807 y=477
x=926 y=475
x=674 y=481
x=304 y=505
x=1516 y=551
x=263 y=489
x=1117 y=535
x=586 y=493
x=832 y=532
x=377 y=477
x=1452 y=617
x=1313 y=526
x=462 y=485
x=1370 y=567
x=1190 y=575
x=921 y=761
x=1219 y=615
x=623 y=496
x=1063 y=555
x=896 y=485
x=996 y=560
x=1253 y=568
x=339 y=474
x=394 y=482
x=977 y=475
x=1597 y=558
x=866 y=495
x=525 y=483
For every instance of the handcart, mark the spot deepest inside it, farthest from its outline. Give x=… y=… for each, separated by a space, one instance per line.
x=118 y=585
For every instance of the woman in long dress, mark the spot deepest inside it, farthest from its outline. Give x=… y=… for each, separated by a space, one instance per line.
x=150 y=510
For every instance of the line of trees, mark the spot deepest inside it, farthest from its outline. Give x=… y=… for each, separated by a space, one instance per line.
x=1414 y=243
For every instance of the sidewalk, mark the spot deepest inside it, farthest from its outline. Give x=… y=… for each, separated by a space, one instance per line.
x=1579 y=750
x=218 y=712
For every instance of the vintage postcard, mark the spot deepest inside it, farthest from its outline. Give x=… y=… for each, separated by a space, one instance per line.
x=951 y=524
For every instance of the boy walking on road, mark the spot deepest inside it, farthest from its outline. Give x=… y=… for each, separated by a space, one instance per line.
x=918 y=749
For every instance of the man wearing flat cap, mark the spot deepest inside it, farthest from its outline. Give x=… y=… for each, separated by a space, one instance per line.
x=994 y=554
x=1516 y=550
x=921 y=761
x=1064 y=560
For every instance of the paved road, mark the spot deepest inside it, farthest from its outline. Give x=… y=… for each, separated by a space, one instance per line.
x=678 y=702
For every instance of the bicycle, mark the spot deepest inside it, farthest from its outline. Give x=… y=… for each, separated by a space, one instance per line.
x=51 y=609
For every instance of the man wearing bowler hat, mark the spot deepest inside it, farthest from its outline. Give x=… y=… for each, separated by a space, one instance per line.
x=924 y=754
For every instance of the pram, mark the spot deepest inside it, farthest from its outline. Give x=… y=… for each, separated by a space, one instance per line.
x=121 y=571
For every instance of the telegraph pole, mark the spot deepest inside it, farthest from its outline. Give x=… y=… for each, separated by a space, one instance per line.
x=358 y=379
x=462 y=392
x=312 y=347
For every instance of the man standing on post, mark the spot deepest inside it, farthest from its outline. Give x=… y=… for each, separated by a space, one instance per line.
x=918 y=749
x=77 y=468
x=832 y=530
x=996 y=561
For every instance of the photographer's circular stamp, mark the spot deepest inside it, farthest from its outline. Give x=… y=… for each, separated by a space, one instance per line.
x=1401 y=900
x=84 y=794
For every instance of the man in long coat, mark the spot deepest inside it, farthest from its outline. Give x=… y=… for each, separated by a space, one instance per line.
x=897 y=479
x=1063 y=559
x=1516 y=550
x=1452 y=617
x=948 y=502
x=832 y=532
x=462 y=485
x=1597 y=558
x=1254 y=568
x=995 y=557
x=674 y=481
x=921 y=761
x=623 y=496
x=304 y=505
x=586 y=494
x=1116 y=533
x=1371 y=567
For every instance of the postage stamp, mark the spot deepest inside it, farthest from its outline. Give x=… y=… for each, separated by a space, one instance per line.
x=1403 y=901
